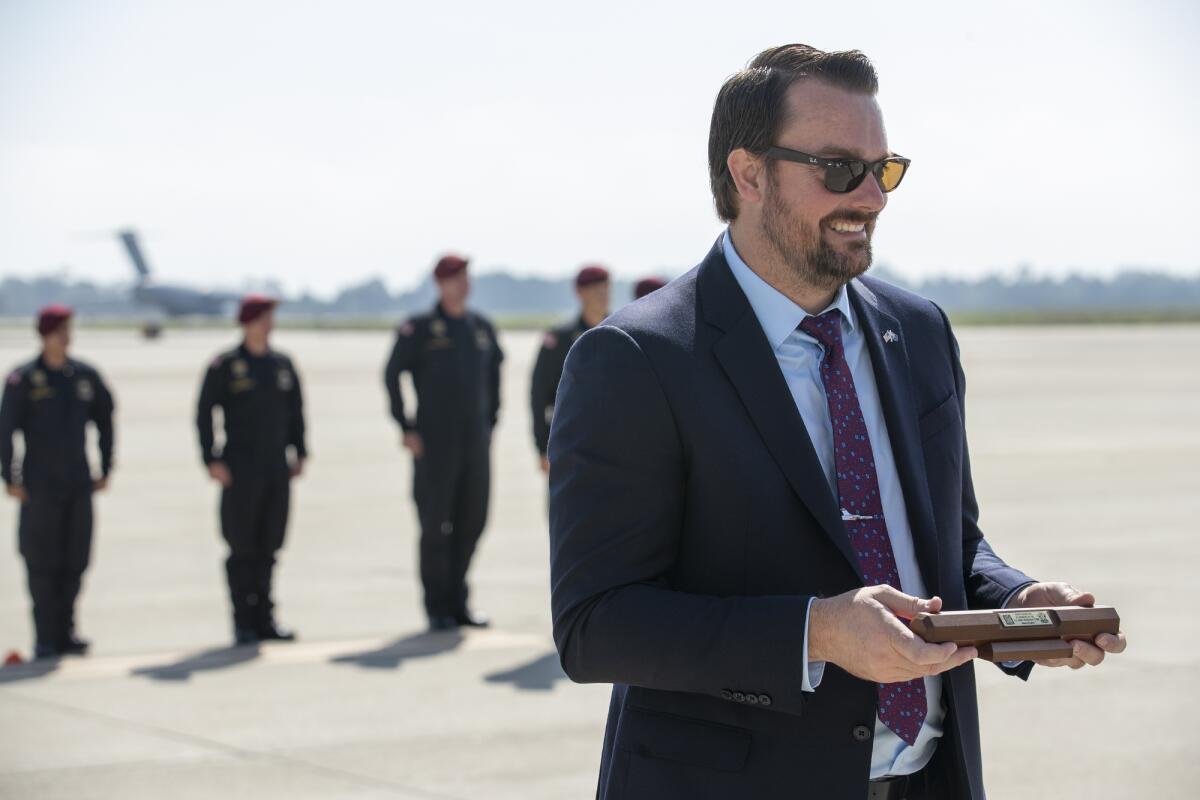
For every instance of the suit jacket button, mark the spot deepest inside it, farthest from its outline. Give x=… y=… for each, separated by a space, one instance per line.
x=764 y=699
x=726 y=694
x=861 y=733
x=741 y=698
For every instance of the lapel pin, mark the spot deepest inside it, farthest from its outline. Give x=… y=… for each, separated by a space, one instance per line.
x=890 y=336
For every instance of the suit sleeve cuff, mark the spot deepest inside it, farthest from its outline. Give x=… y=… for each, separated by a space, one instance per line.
x=812 y=671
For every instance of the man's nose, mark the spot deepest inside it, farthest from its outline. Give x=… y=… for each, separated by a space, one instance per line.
x=869 y=195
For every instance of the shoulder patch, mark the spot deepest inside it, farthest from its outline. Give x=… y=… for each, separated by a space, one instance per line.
x=407 y=329
x=550 y=340
x=14 y=377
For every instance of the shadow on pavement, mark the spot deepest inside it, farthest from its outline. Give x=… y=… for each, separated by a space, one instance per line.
x=28 y=670
x=204 y=661
x=538 y=675
x=419 y=645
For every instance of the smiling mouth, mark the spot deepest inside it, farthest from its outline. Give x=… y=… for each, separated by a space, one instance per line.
x=843 y=226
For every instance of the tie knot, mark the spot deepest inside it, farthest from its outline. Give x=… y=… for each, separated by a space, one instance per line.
x=826 y=328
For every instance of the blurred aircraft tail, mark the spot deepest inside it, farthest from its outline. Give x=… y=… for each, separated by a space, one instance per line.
x=130 y=240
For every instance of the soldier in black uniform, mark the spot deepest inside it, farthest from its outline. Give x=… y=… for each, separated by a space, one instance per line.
x=51 y=400
x=454 y=358
x=592 y=288
x=258 y=391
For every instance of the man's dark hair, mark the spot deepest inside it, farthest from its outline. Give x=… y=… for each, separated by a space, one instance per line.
x=750 y=106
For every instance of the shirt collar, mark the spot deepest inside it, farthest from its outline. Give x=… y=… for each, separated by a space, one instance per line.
x=778 y=316
x=42 y=365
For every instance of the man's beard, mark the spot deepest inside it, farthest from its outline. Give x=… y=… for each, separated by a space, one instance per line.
x=802 y=247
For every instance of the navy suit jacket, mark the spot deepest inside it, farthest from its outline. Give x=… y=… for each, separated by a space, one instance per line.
x=691 y=523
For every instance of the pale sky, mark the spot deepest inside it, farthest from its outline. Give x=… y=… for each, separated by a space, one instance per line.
x=322 y=143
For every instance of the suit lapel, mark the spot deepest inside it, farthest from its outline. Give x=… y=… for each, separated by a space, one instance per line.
x=889 y=359
x=748 y=361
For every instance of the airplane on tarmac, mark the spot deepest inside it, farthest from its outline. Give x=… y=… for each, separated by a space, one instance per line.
x=171 y=301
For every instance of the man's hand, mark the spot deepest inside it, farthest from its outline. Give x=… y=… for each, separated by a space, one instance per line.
x=220 y=473
x=1043 y=595
x=17 y=491
x=862 y=633
x=100 y=484
x=297 y=468
x=544 y=463
x=414 y=444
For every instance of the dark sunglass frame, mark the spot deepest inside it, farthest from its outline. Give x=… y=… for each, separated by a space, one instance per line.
x=851 y=169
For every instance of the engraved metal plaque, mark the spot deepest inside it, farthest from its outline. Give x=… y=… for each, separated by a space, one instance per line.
x=1023 y=619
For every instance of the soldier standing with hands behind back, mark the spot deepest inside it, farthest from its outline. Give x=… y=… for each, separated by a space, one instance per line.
x=51 y=400
x=258 y=391
x=454 y=358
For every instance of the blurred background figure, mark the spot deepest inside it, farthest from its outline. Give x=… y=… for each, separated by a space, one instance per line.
x=258 y=391
x=454 y=357
x=647 y=285
x=51 y=400
x=592 y=287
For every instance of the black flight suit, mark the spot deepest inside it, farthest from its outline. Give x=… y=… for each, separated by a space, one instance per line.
x=547 y=372
x=455 y=366
x=52 y=408
x=263 y=410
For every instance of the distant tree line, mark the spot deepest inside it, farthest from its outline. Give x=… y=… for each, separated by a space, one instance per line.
x=505 y=295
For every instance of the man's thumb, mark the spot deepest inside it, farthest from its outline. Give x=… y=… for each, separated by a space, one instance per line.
x=905 y=605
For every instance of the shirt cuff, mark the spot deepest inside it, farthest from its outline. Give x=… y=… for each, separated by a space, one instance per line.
x=810 y=677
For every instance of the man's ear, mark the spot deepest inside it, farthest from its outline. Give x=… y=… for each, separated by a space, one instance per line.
x=749 y=175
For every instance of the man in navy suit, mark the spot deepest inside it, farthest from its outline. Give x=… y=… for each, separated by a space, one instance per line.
x=758 y=469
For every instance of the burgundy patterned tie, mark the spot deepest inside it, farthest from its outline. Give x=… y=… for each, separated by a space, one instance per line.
x=901 y=705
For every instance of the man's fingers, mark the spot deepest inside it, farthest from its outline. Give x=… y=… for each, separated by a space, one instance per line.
x=905 y=605
x=1087 y=653
x=907 y=671
x=1081 y=598
x=1065 y=594
x=1073 y=663
x=1110 y=643
x=960 y=657
x=966 y=654
x=919 y=652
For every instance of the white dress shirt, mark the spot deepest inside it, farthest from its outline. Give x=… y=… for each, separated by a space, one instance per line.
x=799 y=356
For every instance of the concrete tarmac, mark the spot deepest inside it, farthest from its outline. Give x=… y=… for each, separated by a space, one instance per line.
x=1085 y=445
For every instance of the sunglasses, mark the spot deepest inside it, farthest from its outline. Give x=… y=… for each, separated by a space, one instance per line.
x=845 y=174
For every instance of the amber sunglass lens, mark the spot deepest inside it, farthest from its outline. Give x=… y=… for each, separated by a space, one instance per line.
x=890 y=174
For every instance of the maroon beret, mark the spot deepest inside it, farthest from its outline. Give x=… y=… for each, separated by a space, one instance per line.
x=591 y=275
x=647 y=285
x=448 y=266
x=50 y=317
x=254 y=306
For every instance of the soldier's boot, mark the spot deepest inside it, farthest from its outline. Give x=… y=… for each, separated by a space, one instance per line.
x=69 y=643
x=268 y=628
x=47 y=620
x=244 y=599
